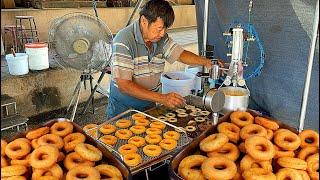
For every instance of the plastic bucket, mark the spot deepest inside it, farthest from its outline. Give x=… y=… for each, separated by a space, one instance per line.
x=17 y=65
x=181 y=82
x=195 y=70
x=38 y=56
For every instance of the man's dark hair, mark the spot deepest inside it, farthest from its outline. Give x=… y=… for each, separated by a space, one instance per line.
x=158 y=8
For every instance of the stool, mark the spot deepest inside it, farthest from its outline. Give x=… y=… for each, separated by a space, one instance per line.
x=26 y=35
x=12 y=30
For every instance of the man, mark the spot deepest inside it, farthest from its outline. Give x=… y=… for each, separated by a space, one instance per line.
x=139 y=54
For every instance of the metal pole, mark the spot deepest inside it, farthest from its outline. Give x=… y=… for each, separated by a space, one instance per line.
x=134 y=11
x=205 y=26
x=309 y=70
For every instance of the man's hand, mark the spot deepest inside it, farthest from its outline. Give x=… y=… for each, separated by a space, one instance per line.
x=172 y=100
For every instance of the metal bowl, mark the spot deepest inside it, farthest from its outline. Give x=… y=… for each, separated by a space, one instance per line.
x=236 y=99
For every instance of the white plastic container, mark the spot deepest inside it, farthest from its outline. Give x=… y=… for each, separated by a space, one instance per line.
x=38 y=56
x=17 y=65
x=195 y=70
x=181 y=82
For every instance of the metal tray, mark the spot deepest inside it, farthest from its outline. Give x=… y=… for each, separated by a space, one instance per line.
x=108 y=157
x=146 y=160
x=193 y=147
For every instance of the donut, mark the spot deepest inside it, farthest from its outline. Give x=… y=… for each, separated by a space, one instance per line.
x=182 y=115
x=34 y=143
x=180 y=111
x=3 y=147
x=287 y=140
x=304 y=175
x=142 y=122
x=73 y=159
x=170 y=115
x=127 y=149
x=14 y=178
x=198 y=110
x=137 y=141
x=200 y=119
x=218 y=167
x=138 y=129
x=123 y=123
x=269 y=135
x=309 y=138
x=172 y=119
x=51 y=139
x=109 y=171
x=189 y=107
x=152 y=150
x=13 y=170
x=213 y=142
x=192 y=123
x=187 y=168
x=44 y=156
x=153 y=138
x=88 y=152
x=71 y=140
x=168 y=144
x=4 y=162
x=258 y=173
x=266 y=153
x=158 y=125
x=204 y=113
x=294 y=163
x=228 y=150
x=247 y=162
x=55 y=170
x=107 y=129
x=17 y=149
x=24 y=161
x=313 y=166
x=171 y=135
x=230 y=130
x=34 y=134
x=132 y=159
x=304 y=153
x=279 y=130
x=266 y=123
x=242 y=148
x=194 y=114
x=282 y=153
x=241 y=118
x=62 y=128
x=25 y=140
x=108 y=139
x=123 y=134
x=153 y=131
x=91 y=129
x=190 y=128
x=252 y=130
x=162 y=118
x=288 y=173
x=138 y=116
x=89 y=126
x=82 y=172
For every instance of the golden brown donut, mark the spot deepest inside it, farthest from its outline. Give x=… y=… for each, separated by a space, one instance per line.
x=4 y=162
x=152 y=150
x=269 y=135
x=309 y=138
x=137 y=141
x=62 y=128
x=153 y=131
x=132 y=159
x=241 y=118
x=44 y=156
x=138 y=116
x=25 y=161
x=3 y=147
x=127 y=149
x=110 y=171
x=82 y=171
x=258 y=174
x=282 y=153
x=89 y=152
x=304 y=175
x=213 y=142
x=34 y=143
x=172 y=119
x=267 y=123
x=153 y=138
x=17 y=149
x=73 y=159
x=55 y=170
x=142 y=122
x=287 y=140
x=123 y=134
x=168 y=144
x=171 y=135
x=107 y=129
x=138 y=129
x=313 y=166
x=51 y=139
x=34 y=134
x=187 y=168
x=123 y=123
x=247 y=162
x=15 y=178
x=71 y=140
x=304 y=153
x=288 y=173
x=293 y=163
x=13 y=170
x=158 y=125
x=108 y=139
x=230 y=130
x=266 y=153
x=91 y=129
x=218 y=168
x=252 y=130
x=169 y=115
x=228 y=150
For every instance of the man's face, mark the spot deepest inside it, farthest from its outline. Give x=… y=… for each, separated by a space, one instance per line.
x=153 y=32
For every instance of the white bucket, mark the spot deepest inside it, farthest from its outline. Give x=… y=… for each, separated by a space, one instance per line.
x=38 y=56
x=181 y=82
x=17 y=65
x=195 y=70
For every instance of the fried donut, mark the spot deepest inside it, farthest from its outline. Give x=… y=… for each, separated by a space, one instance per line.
x=230 y=130
x=14 y=178
x=288 y=173
x=4 y=162
x=44 y=156
x=152 y=150
x=170 y=115
x=194 y=114
x=123 y=134
x=13 y=170
x=266 y=153
x=24 y=161
x=123 y=123
x=182 y=115
x=190 y=128
x=34 y=134
x=3 y=147
x=252 y=130
x=17 y=149
x=200 y=119
x=89 y=152
x=91 y=129
x=172 y=119
x=138 y=129
x=204 y=113
x=192 y=123
x=266 y=123
x=74 y=159
x=51 y=139
x=304 y=153
x=89 y=126
x=108 y=139
x=171 y=135
x=241 y=118
x=55 y=170
x=127 y=149
x=282 y=153
x=107 y=129
x=62 y=128
x=153 y=138
x=313 y=166
x=294 y=163
x=138 y=116
x=258 y=174
x=218 y=168
x=269 y=135
x=187 y=168
x=34 y=143
x=110 y=171
x=180 y=111
x=198 y=110
x=71 y=140
x=82 y=171
x=162 y=118
x=309 y=138
x=153 y=131
x=168 y=144
x=142 y=122
x=287 y=140
x=304 y=175
x=213 y=142
x=137 y=141
x=228 y=150
x=247 y=162
x=132 y=159
x=158 y=125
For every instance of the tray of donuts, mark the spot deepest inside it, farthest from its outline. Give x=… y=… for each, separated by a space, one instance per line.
x=248 y=145
x=58 y=149
x=138 y=138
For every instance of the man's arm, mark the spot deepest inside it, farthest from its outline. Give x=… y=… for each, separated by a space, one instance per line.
x=190 y=58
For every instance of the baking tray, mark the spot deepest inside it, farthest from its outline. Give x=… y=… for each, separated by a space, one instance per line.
x=193 y=147
x=146 y=160
x=108 y=157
